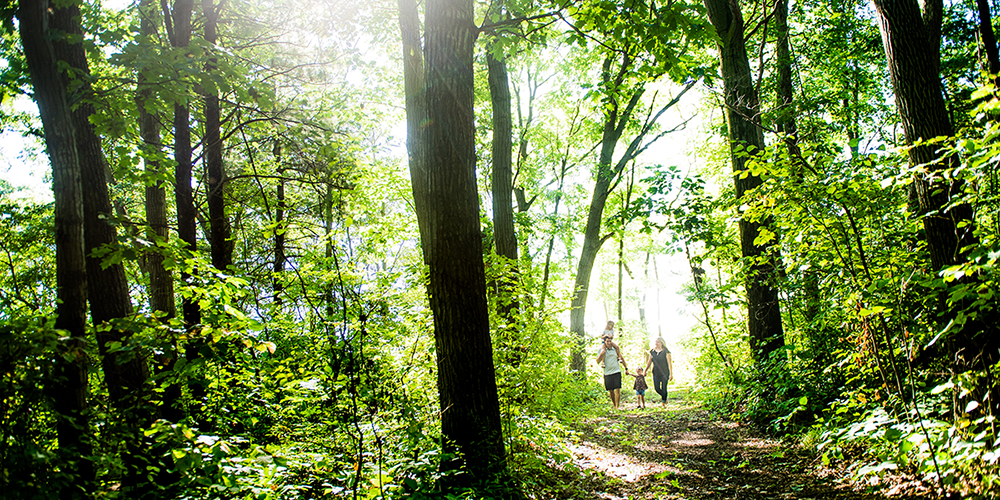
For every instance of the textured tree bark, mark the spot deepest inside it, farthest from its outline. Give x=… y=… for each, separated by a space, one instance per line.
x=989 y=40
x=503 y=209
x=470 y=411
x=948 y=226
x=220 y=238
x=69 y=386
x=416 y=113
x=747 y=140
x=125 y=372
x=504 y=237
x=124 y=375
x=924 y=116
x=183 y=192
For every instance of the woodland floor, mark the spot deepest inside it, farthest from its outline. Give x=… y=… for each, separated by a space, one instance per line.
x=681 y=452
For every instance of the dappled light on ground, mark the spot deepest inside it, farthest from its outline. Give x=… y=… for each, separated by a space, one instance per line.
x=682 y=452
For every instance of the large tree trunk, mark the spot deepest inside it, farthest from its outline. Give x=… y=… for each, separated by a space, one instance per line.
x=470 y=410
x=746 y=140
x=949 y=227
x=504 y=237
x=909 y=51
x=126 y=374
x=503 y=209
x=69 y=387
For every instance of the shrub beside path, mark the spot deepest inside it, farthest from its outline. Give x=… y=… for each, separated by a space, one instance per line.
x=681 y=452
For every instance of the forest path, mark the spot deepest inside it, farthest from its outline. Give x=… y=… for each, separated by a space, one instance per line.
x=681 y=452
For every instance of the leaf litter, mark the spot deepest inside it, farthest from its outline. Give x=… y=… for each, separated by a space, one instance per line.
x=681 y=452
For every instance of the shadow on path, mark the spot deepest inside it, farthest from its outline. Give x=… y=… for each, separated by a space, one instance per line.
x=680 y=452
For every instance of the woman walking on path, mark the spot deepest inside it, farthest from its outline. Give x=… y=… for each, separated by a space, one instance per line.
x=663 y=368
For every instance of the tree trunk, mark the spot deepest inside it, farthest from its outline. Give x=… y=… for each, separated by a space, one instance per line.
x=125 y=375
x=949 y=227
x=69 y=387
x=503 y=209
x=183 y=192
x=746 y=140
x=187 y=214
x=924 y=116
x=279 y=232
x=504 y=236
x=125 y=372
x=416 y=112
x=470 y=410
x=161 y=281
x=787 y=127
x=615 y=119
x=989 y=41
x=621 y=244
x=212 y=143
x=552 y=239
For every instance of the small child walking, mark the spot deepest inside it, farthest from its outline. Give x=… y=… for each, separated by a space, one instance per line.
x=639 y=386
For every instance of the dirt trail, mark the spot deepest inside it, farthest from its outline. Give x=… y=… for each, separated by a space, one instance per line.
x=680 y=452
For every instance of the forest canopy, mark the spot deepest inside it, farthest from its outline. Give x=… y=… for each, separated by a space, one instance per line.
x=367 y=249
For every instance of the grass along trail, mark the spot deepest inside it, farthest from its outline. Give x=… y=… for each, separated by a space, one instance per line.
x=682 y=452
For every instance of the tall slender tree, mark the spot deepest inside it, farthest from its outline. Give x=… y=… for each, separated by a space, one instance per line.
x=178 y=23
x=504 y=237
x=161 y=281
x=639 y=44
x=212 y=145
x=621 y=103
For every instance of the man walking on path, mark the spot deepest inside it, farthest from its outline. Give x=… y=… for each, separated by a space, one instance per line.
x=612 y=371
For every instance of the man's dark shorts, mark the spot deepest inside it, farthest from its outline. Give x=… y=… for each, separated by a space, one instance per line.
x=613 y=381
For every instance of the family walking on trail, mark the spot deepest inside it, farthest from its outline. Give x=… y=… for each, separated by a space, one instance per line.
x=610 y=357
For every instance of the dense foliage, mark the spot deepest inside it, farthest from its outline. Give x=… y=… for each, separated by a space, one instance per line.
x=312 y=371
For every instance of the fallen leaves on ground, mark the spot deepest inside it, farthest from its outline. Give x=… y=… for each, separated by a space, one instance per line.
x=681 y=452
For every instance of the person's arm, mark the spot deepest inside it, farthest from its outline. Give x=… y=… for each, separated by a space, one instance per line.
x=649 y=362
x=670 y=366
x=600 y=356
